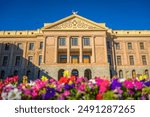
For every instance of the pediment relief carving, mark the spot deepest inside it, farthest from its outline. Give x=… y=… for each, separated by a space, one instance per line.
x=75 y=23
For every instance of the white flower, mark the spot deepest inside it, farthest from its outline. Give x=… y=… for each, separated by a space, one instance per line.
x=4 y=95
x=92 y=81
x=122 y=79
x=14 y=94
x=32 y=83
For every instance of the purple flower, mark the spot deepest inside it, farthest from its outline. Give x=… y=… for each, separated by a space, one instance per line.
x=115 y=84
x=147 y=84
x=50 y=92
x=68 y=87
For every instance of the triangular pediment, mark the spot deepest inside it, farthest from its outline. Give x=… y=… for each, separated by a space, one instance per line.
x=74 y=22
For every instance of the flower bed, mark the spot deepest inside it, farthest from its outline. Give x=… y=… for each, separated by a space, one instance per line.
x=74 y=89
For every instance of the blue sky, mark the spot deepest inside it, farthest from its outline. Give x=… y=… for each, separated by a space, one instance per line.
x=32 y=14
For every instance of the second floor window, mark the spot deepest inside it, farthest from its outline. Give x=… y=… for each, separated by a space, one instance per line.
x=18 y=61
x=117 y=46
x=119 y=62
x=141 y=45
x=130 y=46
x=41 y=45
x=131 y=59
x=31 y=46
x=144 y=61
x=5 y=61
x=40 y=59
x=30 y=60
x=62 y=41
x=86 y=41
x=19 y=46
x=74 y=41
x=7 y=46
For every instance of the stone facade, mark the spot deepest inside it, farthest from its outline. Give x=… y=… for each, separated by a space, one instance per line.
x=76 y=44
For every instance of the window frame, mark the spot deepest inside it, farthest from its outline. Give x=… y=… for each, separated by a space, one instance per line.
x=16 y=62
x=31 y=48
x=85 y=42
x=62 y=59
x=4 y=60
x=130 y=47
x=41 y=45
x=131 y=60
x=74 y=41
x=142 y=46
x=118 y=47
x=62 y=41
x=119 y=63
x=144 y=60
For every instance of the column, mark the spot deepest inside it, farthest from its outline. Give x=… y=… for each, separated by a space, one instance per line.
x=68 y=49
x=12 y=45
x=93 y=49
x=44 y=50
x=56 y=49
x=80 y=50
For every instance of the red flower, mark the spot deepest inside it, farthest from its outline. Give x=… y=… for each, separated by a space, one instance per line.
x=63 y=80
x=72 y=78
x=99 y=96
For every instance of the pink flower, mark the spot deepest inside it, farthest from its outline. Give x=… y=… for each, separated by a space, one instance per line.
x=34 y=93
x=138 y=85
x=128 y=84
x=102 y=89
x=27 y=91
x=66 y=93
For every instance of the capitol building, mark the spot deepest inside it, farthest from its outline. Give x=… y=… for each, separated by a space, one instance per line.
x=77 y=44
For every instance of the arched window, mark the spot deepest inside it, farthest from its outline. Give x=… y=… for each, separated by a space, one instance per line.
x=146 y=73
x=15 y=73
x=60 y=73
x=88 y=74
x=2 y=74
x=75 y=72
x=133 y=74
x=120 y=74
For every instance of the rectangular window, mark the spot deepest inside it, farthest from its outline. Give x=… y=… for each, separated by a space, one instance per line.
x=109 y=59
x=30 y=60
x=18 y=61
x=40 y=59
x=144 y=61
x=74 y=41
x=119 y=60
x=117 y=46
x=108 y=44
x=130 y=46
x=7 y=46
x=141 y=45
x=63 y=59
x=75 y=59
x=5 y=61
x=86 y=41
x=19 y=46
x=31 y=46
x=41 y=45
x=131 y=59
x=62 y=41
x=86 y=58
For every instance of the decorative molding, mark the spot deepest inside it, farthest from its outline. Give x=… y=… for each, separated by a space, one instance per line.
x=75 y=23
